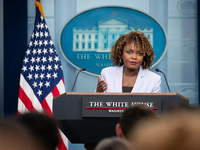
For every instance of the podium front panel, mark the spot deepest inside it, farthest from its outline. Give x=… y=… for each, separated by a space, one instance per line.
x=90 y=129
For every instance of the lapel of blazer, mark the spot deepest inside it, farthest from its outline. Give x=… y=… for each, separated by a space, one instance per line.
x=118 y=79
x=139 y=81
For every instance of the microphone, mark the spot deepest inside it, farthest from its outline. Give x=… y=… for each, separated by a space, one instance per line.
x=158 y=70
x=83 y=69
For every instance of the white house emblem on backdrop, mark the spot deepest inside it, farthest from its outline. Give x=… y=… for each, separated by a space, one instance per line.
x=103 y=37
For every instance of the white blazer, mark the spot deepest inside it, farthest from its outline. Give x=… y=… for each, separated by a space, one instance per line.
x=146 y=82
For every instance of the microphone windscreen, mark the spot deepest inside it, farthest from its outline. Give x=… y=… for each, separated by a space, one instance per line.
x=158 y=70
x=83 y=69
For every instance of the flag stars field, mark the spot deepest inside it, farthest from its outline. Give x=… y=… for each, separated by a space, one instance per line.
x=44 y=51
x=24 y=68
x=28 y=52
x=39 y=92
x=41 y=57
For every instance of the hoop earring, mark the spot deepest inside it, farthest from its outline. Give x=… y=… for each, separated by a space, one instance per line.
x=120 y=60
x=144 y=63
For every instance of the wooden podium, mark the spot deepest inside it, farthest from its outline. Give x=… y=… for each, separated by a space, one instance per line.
x=89 y=117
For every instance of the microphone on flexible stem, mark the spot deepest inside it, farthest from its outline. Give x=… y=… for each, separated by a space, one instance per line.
x=82 y=69
x=158 y=70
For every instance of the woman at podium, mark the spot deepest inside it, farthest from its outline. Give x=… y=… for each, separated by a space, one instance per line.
x=132 y=55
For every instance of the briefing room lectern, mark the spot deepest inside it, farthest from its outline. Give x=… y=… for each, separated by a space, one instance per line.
x=89 y=117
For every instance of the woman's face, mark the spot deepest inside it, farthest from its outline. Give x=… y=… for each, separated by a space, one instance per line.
x=132 y=56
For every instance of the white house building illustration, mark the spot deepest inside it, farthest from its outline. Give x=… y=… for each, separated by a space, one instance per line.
x=103 y=37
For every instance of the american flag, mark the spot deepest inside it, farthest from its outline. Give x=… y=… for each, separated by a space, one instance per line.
x=41 y=77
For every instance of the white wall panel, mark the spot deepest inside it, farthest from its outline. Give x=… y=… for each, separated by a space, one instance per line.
x=182 y=48
x=182 y=8
x=182 y=28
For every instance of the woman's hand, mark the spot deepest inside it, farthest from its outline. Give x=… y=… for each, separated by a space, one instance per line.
x=102 y=85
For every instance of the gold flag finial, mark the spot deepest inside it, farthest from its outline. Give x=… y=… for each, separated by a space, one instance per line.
x=39 y=5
